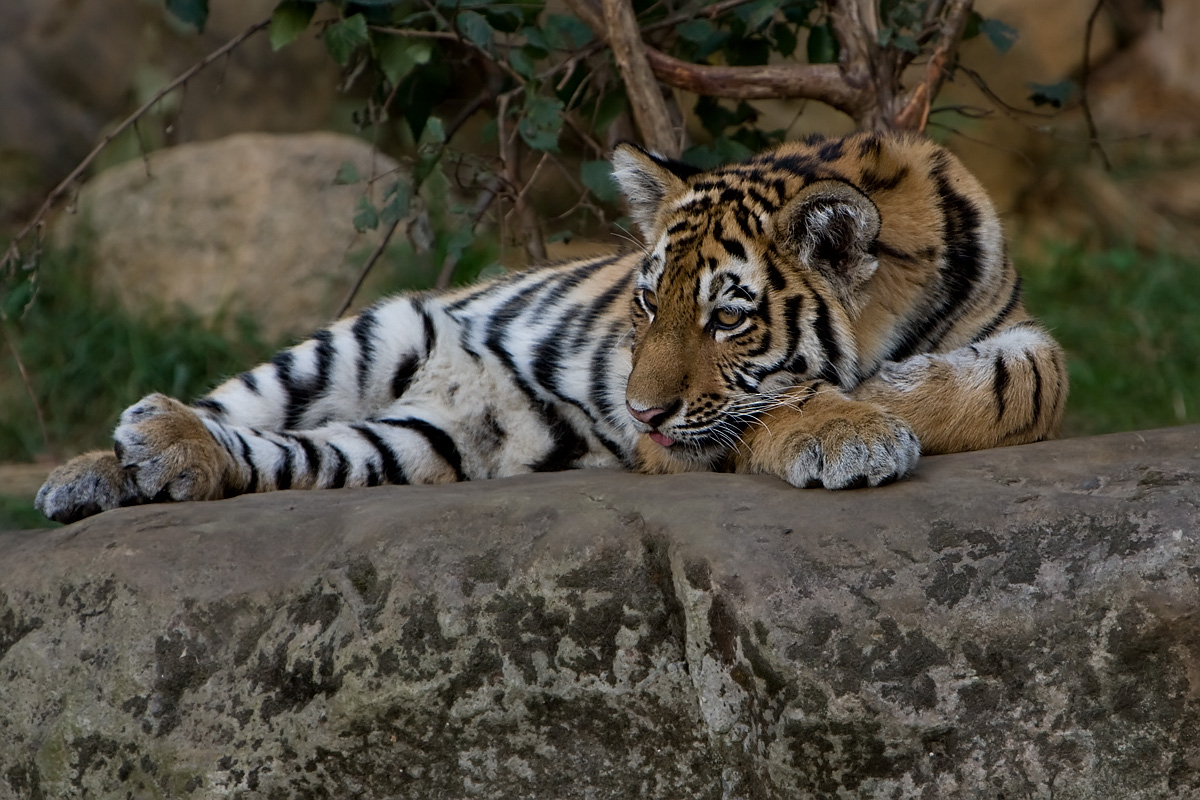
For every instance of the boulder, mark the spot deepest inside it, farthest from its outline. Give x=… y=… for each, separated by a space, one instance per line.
x=1008 y=623
x=250 y=225
x=74 y=67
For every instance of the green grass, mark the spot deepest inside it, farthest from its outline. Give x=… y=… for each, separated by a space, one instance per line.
x=87 y=359
x=17 y=513
x=1130 y=323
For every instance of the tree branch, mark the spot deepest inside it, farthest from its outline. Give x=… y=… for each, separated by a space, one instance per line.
x=826 y=83
x=645 y=98
x=67 y=182
x=915 y=113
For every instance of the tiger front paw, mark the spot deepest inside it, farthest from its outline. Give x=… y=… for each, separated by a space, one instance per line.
x=169 y=453
x=161 y=452
x=865 y=449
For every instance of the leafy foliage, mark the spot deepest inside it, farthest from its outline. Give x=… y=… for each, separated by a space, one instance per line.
x=550 y=90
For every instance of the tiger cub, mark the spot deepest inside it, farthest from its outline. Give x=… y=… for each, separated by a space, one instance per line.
x=822 y=312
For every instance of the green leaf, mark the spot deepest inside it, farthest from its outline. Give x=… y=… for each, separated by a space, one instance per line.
x=905 y=42
x=398 y=56
x=1001 y=35
x=799 y=11
x=345 y=36
x=366 y=216
x=609 y=108
x=695 y=30
x=522 y=62
x=347 y=173
x=434 y=133
x=535 y=39
x=566 y=32
x=190 y=12
x=289 y=19
x=1052 y=94
x=474 y=26
x=757 y=14
x=785 y=39
x=822 y=45
x=541 y=123
x=396 y=203
x=597 y=177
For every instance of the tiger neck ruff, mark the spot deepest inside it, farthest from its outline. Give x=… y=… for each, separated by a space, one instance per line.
x=823 y=312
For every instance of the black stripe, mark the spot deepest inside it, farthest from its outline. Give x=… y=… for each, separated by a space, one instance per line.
x=387 y=457
x=438 y=440
x=1013 y=300
x=734 y=247
x=873 y=181
x=248 y=457
x=312 y=454
x=372 y=475
x=430 y=330
x=1000 y=383
x=402 y=378
x=363 y=331
x=1037 y=391
x=825 y=335
x=598 y=390
x=342 y=471
x=283 y=475
x=250 y=382
x=208 y=404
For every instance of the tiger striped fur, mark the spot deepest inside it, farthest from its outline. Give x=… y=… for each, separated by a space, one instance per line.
x=822 y=312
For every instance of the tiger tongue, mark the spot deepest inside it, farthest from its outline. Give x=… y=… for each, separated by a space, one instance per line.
x=663 y=439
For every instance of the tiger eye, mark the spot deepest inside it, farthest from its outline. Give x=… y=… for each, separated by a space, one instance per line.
x=729 y=317
x=650 y=300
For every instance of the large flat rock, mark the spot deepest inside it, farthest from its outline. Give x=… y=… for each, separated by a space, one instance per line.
x=1008 y=623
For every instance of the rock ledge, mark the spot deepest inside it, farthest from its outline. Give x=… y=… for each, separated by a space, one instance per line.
x=1009 y=623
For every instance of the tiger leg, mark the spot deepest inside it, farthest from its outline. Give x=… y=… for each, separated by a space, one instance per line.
x=1009 y=388
x=164 y=450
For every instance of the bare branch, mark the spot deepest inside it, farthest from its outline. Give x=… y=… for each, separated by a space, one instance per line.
x=1084 y=104
x=37 y=407
x=823 y=82
x=915 y=113
x=645 y=97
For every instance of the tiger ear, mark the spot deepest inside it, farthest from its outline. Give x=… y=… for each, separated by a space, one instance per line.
x=647 y=180
x=833 y=228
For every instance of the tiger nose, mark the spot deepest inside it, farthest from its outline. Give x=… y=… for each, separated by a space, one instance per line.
x=651 y=416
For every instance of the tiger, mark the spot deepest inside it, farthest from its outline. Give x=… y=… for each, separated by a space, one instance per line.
x=824 y=312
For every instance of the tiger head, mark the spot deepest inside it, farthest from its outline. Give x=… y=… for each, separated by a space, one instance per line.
x=751 y=282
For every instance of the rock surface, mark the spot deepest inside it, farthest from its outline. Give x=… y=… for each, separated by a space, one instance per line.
x=1008 y=623
x=251 y=224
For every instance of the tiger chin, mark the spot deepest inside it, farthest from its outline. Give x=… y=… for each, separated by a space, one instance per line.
x=823 y=312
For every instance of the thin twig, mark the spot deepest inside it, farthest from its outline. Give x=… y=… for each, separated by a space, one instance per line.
x=482 y=203
x=1084 y=104
x=37 y=407
x=58 y=191
x=365 y=269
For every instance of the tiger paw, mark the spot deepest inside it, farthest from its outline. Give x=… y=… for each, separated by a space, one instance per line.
x=161 y=452
x=869 y=448
x=169 y=453
x=86 y=485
